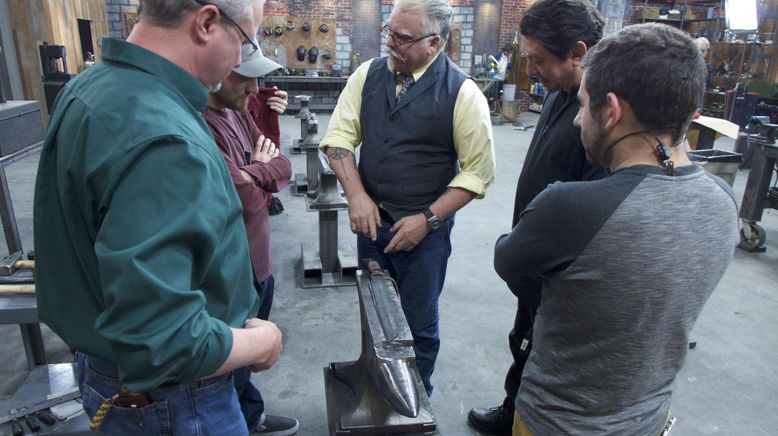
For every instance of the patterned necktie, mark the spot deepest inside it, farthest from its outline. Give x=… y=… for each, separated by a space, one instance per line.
x=407 y=83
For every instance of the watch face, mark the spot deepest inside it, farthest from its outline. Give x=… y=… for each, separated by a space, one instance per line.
x=433 y=222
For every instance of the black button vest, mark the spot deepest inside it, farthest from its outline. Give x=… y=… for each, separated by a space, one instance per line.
x=407 y=156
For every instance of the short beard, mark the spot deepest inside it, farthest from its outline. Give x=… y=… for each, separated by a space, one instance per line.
x=237 y=104
x=595 y=144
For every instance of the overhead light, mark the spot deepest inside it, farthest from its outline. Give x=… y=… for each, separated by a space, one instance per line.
x=741 y=15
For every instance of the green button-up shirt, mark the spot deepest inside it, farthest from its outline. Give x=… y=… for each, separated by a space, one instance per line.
x=141 y=253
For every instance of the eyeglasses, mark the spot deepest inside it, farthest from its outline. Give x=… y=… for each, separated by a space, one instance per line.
x=247 y=40
x=401 y=40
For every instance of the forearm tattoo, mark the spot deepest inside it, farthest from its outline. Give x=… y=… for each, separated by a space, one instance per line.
x=337 y=153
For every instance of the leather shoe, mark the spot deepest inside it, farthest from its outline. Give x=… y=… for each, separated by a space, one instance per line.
x=496 y=420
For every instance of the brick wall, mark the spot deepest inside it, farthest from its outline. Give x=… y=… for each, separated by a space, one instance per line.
x=274 y=8
x=114 y=9
x=340 y=10
x=476 y=18
x=485 y=24
x=463 y=15
x=510 y=17
x=345 y=22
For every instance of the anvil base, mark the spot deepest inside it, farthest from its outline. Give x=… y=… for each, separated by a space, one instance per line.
x=347 y=415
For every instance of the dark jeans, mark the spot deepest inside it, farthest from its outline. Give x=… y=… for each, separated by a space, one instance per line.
x=528 y=294
x=419 y=274
x=251 y=403
x=203 y=407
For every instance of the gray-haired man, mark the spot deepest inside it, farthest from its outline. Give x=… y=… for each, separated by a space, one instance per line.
x=426 y=151
x=139 y=233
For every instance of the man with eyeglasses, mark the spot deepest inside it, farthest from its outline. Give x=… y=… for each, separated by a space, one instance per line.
x=142 y=256
x=426 y=151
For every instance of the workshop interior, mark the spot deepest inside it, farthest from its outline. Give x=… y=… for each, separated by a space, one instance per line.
x=337 y=374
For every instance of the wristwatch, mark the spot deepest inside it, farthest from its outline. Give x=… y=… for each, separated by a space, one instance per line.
x=432 y=221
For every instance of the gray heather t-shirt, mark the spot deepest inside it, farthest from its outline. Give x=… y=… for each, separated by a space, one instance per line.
x=627 y=264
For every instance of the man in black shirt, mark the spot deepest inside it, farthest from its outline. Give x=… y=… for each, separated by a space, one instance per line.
x=556 y=35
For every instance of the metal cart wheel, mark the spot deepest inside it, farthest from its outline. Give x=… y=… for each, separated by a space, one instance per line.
x=752 y=237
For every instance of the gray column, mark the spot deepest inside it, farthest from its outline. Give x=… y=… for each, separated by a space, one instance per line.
x=486 y=28
x=613 y=11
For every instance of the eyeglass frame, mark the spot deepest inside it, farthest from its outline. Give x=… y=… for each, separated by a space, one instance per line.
x=246 y=39
x=387 y=32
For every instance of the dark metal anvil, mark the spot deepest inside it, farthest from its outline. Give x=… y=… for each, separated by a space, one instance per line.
x=381 y=392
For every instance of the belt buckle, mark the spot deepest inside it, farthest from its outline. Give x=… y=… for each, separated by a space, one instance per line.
x=133 y=400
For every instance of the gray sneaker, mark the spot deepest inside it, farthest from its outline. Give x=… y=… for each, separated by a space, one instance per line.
x=273 y=425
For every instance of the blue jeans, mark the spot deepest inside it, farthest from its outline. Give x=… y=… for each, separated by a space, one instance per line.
x=419 y=274
x=251 y=403
x=203 y=407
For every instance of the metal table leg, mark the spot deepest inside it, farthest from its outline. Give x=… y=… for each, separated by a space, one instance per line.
x=33 y=344
x=758 y=183
x=752 y=236
x=7 y=215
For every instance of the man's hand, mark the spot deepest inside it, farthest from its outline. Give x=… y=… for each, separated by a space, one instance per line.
x=264 y=150
x=363 y=215
x=408 y=232
x=279 y=101
x=269 y=335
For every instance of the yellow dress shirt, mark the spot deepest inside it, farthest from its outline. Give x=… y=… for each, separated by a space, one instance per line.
x=473 y=139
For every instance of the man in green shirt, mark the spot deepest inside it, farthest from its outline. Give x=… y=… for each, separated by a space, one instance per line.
x=142 y=259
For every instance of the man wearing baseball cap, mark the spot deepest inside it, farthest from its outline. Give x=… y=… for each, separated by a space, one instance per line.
x=257 y=169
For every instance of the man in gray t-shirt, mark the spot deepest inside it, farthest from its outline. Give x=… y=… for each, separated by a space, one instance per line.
x=619 y=296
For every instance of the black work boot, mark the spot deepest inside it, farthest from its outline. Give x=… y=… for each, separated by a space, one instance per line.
x=496 y=420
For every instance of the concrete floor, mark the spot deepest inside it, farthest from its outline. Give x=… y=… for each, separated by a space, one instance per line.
x=728 y=386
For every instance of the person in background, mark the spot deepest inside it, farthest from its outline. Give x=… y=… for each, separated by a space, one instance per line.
x=426 y=151
x=257 y=169
x=556 y=34
x=139 y=231
x=503 y=64
x=620 y=298
x=703 y=45
x=503 y=61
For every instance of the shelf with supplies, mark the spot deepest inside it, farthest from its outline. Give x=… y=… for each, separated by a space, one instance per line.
x=697 y=17
x=676 y=20
x=537 y=94
x=535 y=107
x=743 y=62
x=736 y=58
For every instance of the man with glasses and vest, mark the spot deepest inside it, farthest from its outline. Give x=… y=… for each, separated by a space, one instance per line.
x=426 y=151
x=142 y=256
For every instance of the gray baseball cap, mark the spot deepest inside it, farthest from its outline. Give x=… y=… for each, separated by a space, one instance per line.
x=254 y=63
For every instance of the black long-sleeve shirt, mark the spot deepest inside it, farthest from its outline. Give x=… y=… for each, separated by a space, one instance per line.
x=556 y=153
